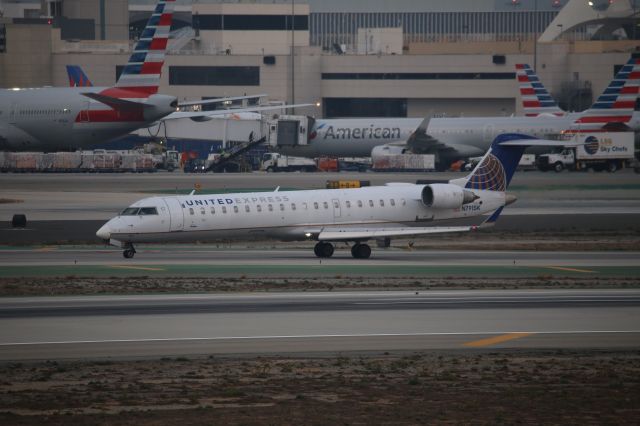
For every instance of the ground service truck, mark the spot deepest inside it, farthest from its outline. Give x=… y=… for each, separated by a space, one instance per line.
x=601 y=151
x=274 y=162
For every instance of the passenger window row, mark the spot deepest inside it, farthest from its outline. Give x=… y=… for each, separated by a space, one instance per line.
x=44 y=111
x=282 y=206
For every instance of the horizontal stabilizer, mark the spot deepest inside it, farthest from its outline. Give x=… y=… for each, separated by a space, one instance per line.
x=117 y=103
x=540 y=142
x=361 y=234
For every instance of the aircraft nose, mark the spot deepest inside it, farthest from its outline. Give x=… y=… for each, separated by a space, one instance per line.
x=104 y=233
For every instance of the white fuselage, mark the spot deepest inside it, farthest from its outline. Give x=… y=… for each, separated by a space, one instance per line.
x=61 y=118
x=472 y=136
x=352 y=137
x=467 y=136
x=291 y=215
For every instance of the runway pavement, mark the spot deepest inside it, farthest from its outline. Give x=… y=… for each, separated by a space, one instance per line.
x=131 y=326
x=210 y=261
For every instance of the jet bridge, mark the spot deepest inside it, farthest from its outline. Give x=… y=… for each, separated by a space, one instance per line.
x=290 y=131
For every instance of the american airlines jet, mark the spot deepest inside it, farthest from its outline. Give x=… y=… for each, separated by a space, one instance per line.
x=453 y=138
x=328 y=215
x=72 y=117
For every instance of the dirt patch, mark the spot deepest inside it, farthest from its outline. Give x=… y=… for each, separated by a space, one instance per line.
x=516 y=387
x=10 y=201
x=72 y=285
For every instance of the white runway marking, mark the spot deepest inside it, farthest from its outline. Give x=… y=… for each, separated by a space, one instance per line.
x=318 y=336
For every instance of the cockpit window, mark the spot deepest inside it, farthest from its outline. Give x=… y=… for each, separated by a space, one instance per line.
x=144 y=211
x=130 y=211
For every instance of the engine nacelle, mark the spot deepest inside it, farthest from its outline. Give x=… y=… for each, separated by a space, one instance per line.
x=446 y=196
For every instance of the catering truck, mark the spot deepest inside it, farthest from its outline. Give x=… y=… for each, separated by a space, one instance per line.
x=600 y=151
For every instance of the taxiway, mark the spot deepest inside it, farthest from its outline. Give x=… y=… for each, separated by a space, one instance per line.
x=110 y=326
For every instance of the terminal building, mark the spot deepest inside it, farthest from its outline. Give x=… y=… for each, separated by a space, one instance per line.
x=355 y=58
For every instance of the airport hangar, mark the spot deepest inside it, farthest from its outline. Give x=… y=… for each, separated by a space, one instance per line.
x=358 y=58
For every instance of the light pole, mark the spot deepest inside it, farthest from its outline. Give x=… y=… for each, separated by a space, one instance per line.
x=535 y=35
x=293 y=68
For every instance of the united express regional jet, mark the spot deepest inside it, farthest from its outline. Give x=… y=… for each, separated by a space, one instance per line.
x=328 y=215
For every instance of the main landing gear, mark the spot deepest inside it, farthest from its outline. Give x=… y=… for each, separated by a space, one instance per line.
x=358 y=251
x=129 y=251
x=323 y=249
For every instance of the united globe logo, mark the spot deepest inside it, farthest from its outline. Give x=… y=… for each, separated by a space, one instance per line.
x=489 y=175
x=591 y=145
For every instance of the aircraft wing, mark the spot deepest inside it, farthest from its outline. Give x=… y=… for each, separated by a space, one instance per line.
x=420 y=142
x=209 y=115
x=351 y=234
x=219 y=100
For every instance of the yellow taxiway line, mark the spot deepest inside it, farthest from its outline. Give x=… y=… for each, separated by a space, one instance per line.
x=45 y=249
x=496 y=339
x=560 y=268
x=141 y=268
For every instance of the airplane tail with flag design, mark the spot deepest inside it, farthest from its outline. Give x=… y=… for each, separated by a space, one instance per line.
x=142 y=72
x=614 y=108
x=536 y=99
x=77 y=77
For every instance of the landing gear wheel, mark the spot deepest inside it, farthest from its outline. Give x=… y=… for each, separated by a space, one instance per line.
x=129 y=252
x=323 y=249
x=361 y=251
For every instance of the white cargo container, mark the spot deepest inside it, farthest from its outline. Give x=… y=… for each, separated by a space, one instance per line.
x=394 y=158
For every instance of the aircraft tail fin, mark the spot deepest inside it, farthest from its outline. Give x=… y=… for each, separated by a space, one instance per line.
x=77 y=77
x=142 y=72
x=536 y=99
x=616 y=104
x=495 y=170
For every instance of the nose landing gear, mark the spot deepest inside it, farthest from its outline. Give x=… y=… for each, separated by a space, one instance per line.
x=323 y=249
x=360 y=251
x=129 y=252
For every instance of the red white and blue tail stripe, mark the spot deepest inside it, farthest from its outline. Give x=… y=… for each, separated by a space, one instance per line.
x=536 y=99
x=616 y=104
x=142 y=73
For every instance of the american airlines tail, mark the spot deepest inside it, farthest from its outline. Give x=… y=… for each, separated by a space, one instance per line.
x=77 y=77
x=616 y=104
x=142 y=72
x=134 y=98
x=536 y=99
